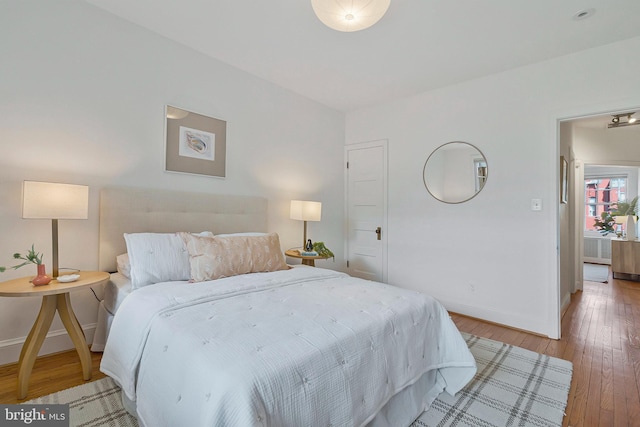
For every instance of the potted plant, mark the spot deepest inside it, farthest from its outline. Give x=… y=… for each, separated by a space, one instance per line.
x=31 y=257
x=606 y=223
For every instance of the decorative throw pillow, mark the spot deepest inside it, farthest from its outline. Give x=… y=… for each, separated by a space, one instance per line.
x=213 y=258
x=245 y=233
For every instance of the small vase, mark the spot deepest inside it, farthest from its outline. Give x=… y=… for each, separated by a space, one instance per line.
x=631 y=227
x=41 y=278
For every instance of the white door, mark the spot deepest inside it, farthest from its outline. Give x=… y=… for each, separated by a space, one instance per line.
x=366 y=194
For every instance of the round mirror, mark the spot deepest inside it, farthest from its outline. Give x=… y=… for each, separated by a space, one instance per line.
x=455 y=172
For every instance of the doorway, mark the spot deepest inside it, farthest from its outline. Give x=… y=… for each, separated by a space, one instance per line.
x=593 y=148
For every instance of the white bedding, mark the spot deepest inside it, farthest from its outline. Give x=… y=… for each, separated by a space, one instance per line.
x=115 y=291
x=299 y=347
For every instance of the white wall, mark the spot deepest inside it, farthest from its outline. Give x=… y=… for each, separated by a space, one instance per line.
x=492 y=257
x=82 y=96
x=619 y=146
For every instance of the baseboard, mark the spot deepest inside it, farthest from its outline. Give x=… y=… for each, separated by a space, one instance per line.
x=55 y=342
x=566 y=300
x=510 y=320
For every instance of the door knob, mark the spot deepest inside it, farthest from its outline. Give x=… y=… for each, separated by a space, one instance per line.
x=379 y=233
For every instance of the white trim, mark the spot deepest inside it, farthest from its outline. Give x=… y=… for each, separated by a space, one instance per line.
x=55 y=341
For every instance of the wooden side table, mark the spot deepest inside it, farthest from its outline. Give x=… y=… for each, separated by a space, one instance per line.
x=55 y=297
x=306 y=260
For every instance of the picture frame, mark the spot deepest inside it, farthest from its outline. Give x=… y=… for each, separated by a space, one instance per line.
x=194 y=143
x=564 y=185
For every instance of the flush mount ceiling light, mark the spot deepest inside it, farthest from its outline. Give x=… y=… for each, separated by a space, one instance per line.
x=616 y=121
x=349 y=15
x=583 y=14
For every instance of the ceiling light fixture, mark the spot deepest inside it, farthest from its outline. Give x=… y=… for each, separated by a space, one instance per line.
x=349 y=15
x=616 y=122
x=583 y=14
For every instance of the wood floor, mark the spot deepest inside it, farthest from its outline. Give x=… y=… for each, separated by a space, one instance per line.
x=601 y=336
x=50 y=373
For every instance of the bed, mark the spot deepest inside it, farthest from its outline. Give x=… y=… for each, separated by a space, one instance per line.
x=137 y=210
x=254 y=342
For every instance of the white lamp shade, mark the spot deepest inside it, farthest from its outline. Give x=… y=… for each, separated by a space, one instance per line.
x=47 y=200
x=303 y=210
x=350 y=15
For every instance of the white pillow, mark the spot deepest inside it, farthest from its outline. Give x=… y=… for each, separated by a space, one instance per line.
x=157 y=257
x=124 y=266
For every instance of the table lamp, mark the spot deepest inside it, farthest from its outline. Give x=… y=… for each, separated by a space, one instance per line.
x=303 y=210
x=47 y=200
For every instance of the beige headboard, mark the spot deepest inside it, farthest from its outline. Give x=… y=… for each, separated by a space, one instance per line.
x=138 y=210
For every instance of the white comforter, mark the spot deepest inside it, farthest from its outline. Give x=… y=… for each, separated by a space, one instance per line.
x=303 y=347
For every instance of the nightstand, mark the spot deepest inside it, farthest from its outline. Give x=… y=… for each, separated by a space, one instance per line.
x=55 y=297
x=306 y=260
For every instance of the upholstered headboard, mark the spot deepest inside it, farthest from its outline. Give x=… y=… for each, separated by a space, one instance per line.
x=138 y=210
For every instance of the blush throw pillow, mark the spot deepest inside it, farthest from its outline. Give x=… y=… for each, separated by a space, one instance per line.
x=212 y=258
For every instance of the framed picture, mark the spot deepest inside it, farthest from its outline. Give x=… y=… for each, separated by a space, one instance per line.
x=194 y=143
x=564 y=186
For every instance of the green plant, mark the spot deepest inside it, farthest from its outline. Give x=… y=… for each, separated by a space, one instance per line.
x=322 y=250
x=31 y=257
x=605 y=224
x=626 y=208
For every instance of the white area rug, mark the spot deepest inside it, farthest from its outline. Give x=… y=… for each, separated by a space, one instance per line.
x=513 y=386
x=595 y=273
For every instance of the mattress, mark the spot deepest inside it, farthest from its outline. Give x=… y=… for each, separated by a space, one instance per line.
x=115 y=291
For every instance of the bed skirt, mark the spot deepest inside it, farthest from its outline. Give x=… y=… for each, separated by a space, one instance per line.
x=103 y=324
x=401 y=410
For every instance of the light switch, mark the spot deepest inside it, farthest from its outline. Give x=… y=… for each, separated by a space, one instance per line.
x=536 y=204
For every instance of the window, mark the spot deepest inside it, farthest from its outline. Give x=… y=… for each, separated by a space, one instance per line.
x=601 y=195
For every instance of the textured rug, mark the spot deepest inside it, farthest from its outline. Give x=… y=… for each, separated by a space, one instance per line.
x=513 y=386
x=595 y=273
x=93 y=404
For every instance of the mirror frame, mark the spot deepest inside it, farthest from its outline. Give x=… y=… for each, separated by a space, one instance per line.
x=424 y=170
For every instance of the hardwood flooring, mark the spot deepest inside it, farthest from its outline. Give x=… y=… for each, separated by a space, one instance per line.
x=600 y=335
x=50 y=373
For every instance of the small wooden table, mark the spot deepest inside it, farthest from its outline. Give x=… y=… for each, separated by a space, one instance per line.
x=306 y=260
x=55 y=297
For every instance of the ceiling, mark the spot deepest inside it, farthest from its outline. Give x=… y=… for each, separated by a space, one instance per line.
x=418 y=45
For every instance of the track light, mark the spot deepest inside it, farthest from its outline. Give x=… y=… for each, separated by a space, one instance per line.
x=616 y=122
